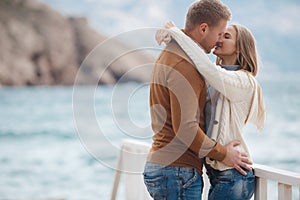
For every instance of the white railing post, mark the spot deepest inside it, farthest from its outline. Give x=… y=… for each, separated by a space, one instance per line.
x=261 y=189
x=285 y=180
x=284 y=192
x=117 y=177
x=132 y=159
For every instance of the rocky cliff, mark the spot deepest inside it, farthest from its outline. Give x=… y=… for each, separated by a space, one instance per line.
x=39 y=46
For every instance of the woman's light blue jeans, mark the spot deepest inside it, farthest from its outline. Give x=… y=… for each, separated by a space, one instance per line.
x=173 y=182
x=230 y=184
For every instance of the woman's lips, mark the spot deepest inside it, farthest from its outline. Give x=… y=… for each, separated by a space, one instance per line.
x=218 y=45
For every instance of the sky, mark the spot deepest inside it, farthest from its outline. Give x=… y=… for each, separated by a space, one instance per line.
x=114 y=16
x=274 y=23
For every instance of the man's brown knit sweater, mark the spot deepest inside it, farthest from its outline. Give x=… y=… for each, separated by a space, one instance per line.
x=177 y=99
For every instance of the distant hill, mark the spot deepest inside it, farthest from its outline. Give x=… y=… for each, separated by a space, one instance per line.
x=40 y=46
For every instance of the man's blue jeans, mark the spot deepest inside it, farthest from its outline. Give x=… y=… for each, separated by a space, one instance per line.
x=230 y=184
x=173 y=182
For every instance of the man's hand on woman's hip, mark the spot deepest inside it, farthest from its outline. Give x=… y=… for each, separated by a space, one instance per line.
x=237 y=159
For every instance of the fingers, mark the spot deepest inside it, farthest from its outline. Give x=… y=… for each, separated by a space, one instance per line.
x=158 y=37
x=162 y=36
x=239 y=169
x=246 y=160
x=239 y=160
x=244 y=154
x=245 y=165
x=169 y=25
x=235 y=143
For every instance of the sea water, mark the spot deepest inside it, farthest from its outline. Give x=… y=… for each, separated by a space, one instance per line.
x=43 y=153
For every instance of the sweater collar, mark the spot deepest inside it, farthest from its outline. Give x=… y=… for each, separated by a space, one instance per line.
x=231 y=67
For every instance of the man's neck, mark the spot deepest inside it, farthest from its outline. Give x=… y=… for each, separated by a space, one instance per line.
x=194 y=36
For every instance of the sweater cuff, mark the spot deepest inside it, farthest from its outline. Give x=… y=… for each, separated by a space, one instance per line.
x=218 y=153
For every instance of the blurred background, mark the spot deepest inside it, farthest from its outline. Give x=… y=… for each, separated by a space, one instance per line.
x=44 y=42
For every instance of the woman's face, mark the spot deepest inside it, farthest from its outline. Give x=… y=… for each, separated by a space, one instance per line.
x=226 y=45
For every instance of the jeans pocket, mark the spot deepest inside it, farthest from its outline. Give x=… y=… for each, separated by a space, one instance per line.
x=153 y=178
x=155 y=184
x=188 y=177
x=224 y=179
x=248 y=187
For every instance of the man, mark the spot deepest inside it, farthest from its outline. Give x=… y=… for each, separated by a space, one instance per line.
x=177 y=98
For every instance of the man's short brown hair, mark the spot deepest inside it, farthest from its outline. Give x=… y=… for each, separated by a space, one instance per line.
x=206 y=11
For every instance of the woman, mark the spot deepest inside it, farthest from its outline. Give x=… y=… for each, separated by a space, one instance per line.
x=235 y=98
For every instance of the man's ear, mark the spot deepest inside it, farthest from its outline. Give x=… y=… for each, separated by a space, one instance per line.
x=203 y=28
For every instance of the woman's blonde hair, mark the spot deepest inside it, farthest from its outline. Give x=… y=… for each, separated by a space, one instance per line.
x=247 y=56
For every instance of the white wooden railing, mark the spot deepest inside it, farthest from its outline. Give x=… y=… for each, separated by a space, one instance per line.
x=133 y=155
x=285 y=180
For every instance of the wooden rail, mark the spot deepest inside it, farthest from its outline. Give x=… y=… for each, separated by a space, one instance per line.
x=285 y=180
x=133 y=155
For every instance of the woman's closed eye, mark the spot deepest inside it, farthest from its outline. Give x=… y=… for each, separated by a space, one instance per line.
x=227 y=36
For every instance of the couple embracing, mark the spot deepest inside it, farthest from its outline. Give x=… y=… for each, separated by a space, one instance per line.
x=199 y=108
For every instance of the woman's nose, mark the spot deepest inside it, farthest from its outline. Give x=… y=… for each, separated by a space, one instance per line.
x=220 y=40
